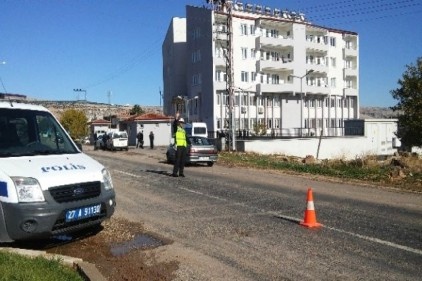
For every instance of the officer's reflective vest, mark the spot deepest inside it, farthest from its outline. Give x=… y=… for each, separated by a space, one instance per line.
x=181 y=137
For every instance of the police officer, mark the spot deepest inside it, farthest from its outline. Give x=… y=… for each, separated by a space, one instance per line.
x=181 y=144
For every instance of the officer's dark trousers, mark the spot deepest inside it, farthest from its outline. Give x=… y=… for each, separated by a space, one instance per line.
x=179 y=163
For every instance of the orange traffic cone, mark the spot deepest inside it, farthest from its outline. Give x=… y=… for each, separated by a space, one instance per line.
x=310 y=216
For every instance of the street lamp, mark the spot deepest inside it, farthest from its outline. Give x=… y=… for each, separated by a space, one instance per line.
x=188 y=107
x=80 y=90
x=301 y=97
x=185 y=102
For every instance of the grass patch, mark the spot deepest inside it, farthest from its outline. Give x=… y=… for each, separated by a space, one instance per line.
x=20 y=268
x=367 y=168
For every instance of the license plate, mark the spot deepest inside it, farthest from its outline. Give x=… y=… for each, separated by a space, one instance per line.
x=83 y=213
x=203 y=158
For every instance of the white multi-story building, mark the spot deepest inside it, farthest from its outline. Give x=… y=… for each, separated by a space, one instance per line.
x=294 y=77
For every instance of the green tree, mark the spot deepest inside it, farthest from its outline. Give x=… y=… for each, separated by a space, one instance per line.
x=75 y=122
x=409 y=96
x=136 y=110
x=260 y=129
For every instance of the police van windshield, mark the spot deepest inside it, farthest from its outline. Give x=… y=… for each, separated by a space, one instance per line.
x=30 y=132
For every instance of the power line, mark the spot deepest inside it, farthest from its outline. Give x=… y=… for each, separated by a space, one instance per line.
x=4 y=88
x=127 y=67
x=367 y=10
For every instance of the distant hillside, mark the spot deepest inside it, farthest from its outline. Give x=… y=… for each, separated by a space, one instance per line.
x=377 y=113
x=93 y=110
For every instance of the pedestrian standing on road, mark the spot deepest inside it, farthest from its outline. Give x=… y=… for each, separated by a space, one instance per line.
x=140 y=137
x=180 y=146
x=151 y=140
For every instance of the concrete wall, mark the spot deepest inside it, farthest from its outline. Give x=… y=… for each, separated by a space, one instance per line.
x=330 y=148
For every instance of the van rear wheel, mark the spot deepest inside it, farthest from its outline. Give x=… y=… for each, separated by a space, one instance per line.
x=210 y=164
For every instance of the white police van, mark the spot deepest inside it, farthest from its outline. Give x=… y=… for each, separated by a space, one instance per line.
x=48 y=186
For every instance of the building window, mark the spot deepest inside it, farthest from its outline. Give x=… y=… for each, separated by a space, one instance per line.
x=252 y=100
x=277 y=123
x=253 y=76
x=244 y=99
x=244 y=29
x=333 y=62
x=244 y=76
x=244 y=53
x=220 y=76
x=253 y=53
x=196 y=33
x=252 y=29
x=275 y=79
x=277 y=101
x=333 y=41
x=196 y=56
x=196 y=79
x=333 y=82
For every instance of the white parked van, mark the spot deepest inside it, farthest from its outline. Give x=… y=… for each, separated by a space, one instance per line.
x=196 y=129
x=47 y=185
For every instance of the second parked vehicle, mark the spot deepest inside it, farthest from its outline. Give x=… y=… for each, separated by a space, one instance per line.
x=117 y=140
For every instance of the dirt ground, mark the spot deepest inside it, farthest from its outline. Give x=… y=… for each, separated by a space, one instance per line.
x=121 y=250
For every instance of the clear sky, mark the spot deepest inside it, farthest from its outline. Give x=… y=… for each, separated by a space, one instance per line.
x=52 y=47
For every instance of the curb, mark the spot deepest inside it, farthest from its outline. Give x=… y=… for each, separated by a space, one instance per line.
x=88 y=271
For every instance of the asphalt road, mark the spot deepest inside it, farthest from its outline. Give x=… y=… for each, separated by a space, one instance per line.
x=229 y=223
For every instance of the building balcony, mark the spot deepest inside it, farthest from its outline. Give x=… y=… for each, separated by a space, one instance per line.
x=274 y=88
x=350 y=52
x=220 y=85
x=350 y=72
x=350 y=92
x=221 y=36
x=220 y=61
x=316 y=46
x=274 y=65
x=279 y=42
x=316 y=90
x=320 y=68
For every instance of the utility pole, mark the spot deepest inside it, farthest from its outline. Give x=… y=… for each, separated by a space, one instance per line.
x=161 y=96
x=230 y=75
x=227 y=8
x=109 y=108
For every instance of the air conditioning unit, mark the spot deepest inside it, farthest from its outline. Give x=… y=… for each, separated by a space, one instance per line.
x=243 y=109
x=260 y=110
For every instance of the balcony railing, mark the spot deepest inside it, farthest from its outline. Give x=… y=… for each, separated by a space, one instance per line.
x=274 y=65
x=274 y=88
x=278 y=42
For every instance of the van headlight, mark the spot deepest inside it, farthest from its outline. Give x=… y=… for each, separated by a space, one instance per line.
x=28 y=189
x=108 y=183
